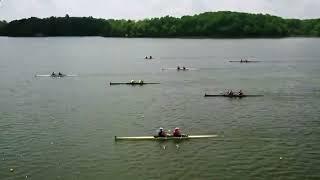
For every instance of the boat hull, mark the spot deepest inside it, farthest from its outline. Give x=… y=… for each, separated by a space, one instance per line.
x=56 y=76
x=132 y=84
x=245 y=61
x=233 y=96
x=181 y=69
x=137 y=138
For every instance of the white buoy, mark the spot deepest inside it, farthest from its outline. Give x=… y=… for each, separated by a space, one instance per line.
x=11 y=170
x=280 y=158
x=164 y=147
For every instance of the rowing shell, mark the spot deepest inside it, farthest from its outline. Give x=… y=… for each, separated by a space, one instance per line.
x=164 y=138
x=244 y=61
x=181 y=69
x=111 y=83
x=230 y=96
x=49 y=75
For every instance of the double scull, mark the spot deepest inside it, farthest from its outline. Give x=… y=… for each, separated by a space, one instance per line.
x=135 y=138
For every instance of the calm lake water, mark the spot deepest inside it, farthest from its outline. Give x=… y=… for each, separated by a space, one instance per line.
x=64 y=128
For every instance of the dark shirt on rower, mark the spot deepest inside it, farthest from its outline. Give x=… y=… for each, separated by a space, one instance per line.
x=162 y=134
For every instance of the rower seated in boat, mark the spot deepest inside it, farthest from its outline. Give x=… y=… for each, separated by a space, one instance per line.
x=177 y=132
x=140 y=81
x=53 y=74
x=184 y=68
x=240 y=93
x=146 y=57
x=178 y=68
x=230 y=93
x=162 y=133
x=150 y=57
x=132 y=81
x=59 y=74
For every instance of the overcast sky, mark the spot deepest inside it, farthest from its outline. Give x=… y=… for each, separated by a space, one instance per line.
x=140 y=9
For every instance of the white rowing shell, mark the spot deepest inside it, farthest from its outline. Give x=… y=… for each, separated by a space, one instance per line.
x=181 y=69
x=164 y=138
x=48 y=75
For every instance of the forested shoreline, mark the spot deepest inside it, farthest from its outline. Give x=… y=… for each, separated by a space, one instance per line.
x=223 y=24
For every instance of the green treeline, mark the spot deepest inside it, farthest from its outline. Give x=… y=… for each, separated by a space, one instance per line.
x=210 y=24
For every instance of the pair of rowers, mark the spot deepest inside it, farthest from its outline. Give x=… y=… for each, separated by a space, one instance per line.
x=134 y=82
x=183 y=68
x=245 y=60
x=150 y=57
x=176 y=133
x=231 y=93
x=54 y=74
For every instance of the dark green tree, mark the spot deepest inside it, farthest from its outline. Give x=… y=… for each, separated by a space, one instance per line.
x=209 y=24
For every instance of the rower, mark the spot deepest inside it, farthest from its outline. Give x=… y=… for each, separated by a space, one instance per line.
x=226 y=92
x=140 y=82
x=178 y=68
x=241 y=60
x=60 y=74
x=132 y=81
x=146 y=57
x=53 y=74
x=240 y=93
x=176 y=132
x=150 y=57
x=184 y=68
x=230 y=93
x=162 y=133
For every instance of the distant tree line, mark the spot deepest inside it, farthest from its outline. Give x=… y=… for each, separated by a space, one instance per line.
x=210 y=24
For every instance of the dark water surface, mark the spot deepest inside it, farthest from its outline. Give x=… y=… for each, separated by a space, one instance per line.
x=64 y=128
